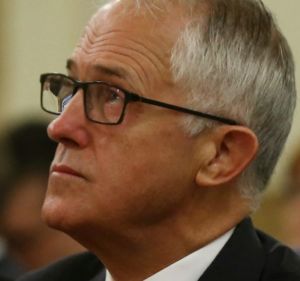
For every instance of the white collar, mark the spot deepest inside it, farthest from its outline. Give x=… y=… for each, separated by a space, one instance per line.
x=191 y=267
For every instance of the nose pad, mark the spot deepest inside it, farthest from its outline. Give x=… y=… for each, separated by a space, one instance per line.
x=64 y=103
x=73 y=103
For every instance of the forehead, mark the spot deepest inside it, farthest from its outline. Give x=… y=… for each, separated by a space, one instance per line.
x=145 y=21
x=140 y=35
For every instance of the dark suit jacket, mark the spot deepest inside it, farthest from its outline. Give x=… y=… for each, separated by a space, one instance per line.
x=3 y=278
x=9 y=268
x=249 y=255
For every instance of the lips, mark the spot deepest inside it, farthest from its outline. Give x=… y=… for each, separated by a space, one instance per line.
x=63 y=169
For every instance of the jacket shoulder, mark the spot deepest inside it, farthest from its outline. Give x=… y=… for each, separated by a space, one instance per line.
x=281 y=263
x=251 y=255
x=79 y=267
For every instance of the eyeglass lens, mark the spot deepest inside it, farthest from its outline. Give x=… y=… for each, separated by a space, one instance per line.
x=103 y=103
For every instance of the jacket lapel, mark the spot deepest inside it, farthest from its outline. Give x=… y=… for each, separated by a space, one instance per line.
x=242 y=258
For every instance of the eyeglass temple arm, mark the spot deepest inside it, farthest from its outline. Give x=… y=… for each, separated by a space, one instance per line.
x=134 y=97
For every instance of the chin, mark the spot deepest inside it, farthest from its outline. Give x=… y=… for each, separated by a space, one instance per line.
x=58 y=215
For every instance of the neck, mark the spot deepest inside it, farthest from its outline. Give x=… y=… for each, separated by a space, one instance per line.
x=139 y=252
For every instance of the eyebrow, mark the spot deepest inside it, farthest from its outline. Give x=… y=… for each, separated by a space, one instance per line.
x=109 y=71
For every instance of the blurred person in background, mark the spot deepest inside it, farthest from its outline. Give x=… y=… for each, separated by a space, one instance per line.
x=9 y=268
x=26 y=156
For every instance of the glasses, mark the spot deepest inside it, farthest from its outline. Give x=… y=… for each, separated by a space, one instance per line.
x=103 y=103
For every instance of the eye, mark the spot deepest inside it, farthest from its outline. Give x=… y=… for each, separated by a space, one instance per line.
x=114 y=95
x=104 y=102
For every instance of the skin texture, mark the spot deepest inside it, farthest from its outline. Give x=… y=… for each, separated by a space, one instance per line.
x=143 y=189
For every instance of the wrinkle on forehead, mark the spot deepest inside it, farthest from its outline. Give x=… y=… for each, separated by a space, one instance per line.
x=157 y=59
x=136 y=51
x=112 y=55
x=110 y=31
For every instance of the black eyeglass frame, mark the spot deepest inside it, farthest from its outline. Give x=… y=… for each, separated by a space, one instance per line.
x=129 y=97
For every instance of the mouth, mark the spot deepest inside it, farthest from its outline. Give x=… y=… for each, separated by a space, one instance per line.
x=65 y=170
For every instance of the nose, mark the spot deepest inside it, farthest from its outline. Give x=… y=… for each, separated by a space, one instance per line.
x=70 y=127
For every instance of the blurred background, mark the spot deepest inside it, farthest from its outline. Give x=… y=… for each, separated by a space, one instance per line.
x=38 y=36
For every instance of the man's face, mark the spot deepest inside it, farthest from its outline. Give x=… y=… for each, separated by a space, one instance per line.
x=140 y=172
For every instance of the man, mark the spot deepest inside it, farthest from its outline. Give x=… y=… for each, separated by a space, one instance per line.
x=160 y=162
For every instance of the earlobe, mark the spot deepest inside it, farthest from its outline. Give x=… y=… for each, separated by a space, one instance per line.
x=234 y=148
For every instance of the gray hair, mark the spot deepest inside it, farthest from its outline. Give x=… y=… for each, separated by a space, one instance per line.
x=240 y=64
x=232 y=55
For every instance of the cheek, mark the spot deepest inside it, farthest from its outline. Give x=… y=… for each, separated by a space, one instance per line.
x=143 y=177
x=137 y=177
x=132 y=162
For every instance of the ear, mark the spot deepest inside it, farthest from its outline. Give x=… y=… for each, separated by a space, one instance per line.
x=229 y=150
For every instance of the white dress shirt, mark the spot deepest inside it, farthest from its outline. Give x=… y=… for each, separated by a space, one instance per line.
x=191 y=267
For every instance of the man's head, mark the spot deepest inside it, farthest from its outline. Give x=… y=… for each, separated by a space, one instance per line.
x=159 y=166
x=243 y=67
